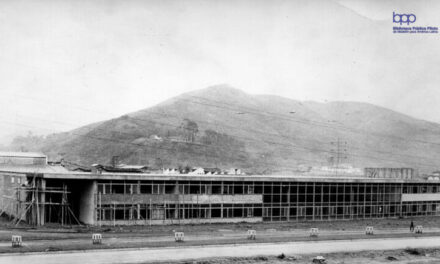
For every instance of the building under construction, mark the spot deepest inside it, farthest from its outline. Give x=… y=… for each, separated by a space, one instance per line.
x=40 y=194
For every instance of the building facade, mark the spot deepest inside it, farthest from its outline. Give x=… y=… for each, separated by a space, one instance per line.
x=38 y=193
x=153 y=199
x=252 y=199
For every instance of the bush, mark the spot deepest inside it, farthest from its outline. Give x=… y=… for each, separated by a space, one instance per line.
x=413 y=251
x=391 y=258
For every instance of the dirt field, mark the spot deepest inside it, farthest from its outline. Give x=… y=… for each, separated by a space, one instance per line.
x=407 y=256
x=53 y=231
x=57 y=238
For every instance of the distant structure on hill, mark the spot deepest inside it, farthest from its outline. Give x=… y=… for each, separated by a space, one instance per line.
x=341 y=169
x=22 y=158
x=396 y=173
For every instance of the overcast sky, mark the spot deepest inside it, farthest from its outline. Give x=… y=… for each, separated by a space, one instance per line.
x=64 y=64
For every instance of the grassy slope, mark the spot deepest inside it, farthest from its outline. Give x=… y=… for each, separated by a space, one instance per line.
x=258 y=131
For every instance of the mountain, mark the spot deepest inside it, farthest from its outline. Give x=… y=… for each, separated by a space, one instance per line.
x=224 y=127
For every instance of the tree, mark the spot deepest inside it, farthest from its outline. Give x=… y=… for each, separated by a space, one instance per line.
x=189 y=129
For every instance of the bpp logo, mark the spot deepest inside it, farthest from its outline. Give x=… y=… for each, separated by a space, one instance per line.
x=404 y=18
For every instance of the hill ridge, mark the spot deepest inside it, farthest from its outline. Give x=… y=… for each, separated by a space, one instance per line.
x=221 y=126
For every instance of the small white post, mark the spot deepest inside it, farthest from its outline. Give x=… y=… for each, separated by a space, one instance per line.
x=314 y=232
x=16 y=241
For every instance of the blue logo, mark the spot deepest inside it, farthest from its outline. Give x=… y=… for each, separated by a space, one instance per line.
x=404 y=18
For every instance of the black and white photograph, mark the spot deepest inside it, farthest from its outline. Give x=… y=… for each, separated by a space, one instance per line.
x=219 y=131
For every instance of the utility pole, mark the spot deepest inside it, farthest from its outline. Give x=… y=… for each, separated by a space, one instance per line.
x=339 y=153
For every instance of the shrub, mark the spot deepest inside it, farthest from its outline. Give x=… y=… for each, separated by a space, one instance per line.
x=413 y=251
x=282 y=256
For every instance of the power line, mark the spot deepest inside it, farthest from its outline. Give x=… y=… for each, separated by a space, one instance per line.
x=250 y=139
x=268 y=114
x=339 y=153
x=146 y=146
x=271 y=142
x=307 y=122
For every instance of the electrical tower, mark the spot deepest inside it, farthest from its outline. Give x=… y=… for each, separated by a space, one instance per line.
x=339 y=153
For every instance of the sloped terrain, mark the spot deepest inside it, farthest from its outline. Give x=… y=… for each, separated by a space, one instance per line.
x=221 y=126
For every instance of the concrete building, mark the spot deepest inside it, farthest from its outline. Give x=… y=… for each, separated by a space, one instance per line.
x=397 y=173
x=22 y=158
x=124 y=199
x=41 y=193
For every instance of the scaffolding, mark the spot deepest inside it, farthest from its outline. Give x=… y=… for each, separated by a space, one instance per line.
x=37 y=204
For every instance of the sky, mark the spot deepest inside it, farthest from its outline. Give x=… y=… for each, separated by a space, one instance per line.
x=64 y=64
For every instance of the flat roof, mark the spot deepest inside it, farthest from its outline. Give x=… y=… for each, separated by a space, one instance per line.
x=186 y=177
x=22 y=154
x=31 y=169
x=59 y=172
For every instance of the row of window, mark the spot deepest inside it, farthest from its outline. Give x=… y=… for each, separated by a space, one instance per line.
x=258 y=188
x=293 y=197
x=156 y=212
x=16 y=179
x=132 y=188
x=172 y=211
x=332 y=198
x=421 y=189
x=331 y=204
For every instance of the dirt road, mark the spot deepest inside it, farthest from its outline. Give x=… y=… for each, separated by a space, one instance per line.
x=173 y=254
x=219 y=237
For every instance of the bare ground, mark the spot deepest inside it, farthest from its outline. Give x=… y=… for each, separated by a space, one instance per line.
x=407 y=256
x=52 y=231
x=59 y=238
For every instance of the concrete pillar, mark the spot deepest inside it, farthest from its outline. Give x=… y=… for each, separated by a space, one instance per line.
x=42 y=200
x=87 y=203
x=183 y=211
x=176 y=188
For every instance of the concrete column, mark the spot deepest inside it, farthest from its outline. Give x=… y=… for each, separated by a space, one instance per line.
x=42 y=200
x=288 y=203
x=87 y=203
x=314 y=204
x=176 y=188
x=183 y=209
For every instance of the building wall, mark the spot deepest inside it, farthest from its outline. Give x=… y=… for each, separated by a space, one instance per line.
x=165 y=202
x=182 y=221
x=393 y=173
x=173 y=201
x=179 y=198
x=418 y=197
x=23 y=160
x=12 y=199
x=87 y=203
